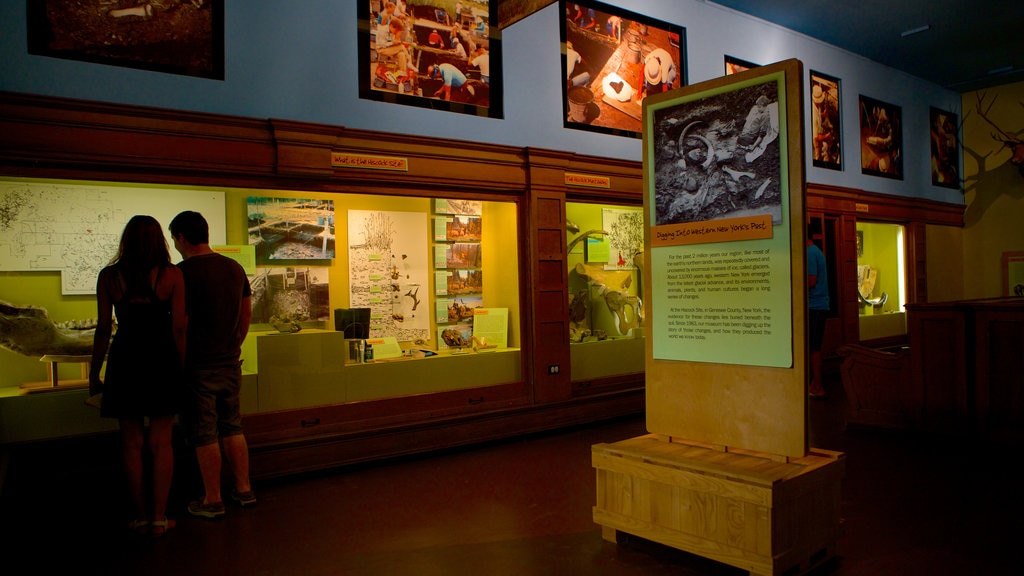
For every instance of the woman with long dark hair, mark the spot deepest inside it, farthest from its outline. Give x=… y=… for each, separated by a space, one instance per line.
x=143 y=378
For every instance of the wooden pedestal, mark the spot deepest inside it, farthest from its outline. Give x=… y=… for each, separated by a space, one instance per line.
x=742 y=509
x=53 y=381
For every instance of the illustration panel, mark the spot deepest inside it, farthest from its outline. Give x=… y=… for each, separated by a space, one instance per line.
x=625 y=233
x=613 y=59
x=185 y=37
x=826 y=131
x=290 y=228
x=881 y=139
x=444 y=55
x=388 y=272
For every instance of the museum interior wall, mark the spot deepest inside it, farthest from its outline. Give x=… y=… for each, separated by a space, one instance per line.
x=994 y=186
x=525 y=156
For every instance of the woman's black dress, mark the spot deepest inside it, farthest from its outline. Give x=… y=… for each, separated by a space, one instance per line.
x=144 y=374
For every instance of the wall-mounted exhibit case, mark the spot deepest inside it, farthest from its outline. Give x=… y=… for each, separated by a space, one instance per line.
x=881 y=280
x=53 y=139
x=304 y=408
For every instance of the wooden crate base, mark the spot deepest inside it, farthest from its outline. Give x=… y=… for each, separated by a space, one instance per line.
x=748 y=511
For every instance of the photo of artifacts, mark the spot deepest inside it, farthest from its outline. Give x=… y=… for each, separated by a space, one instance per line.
x=290 y=295
x=945 y=150
x=735 y=65
x=881 y=139
x=176 y=36
x=445 y=54
x=290 y=228
x=718 y=156
x=826 y=133
x=612 y=60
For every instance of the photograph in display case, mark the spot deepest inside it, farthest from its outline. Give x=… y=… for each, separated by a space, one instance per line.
x=184 y=38
x=290 y=228
x=945 y=148
x=826 y=130
x=461 y=282
x=457 y=309
x=445 y=55
x=881 y=138
x=613 y=59
x=298 y=293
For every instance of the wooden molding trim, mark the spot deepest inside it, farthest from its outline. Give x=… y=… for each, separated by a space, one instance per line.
x=874 y=206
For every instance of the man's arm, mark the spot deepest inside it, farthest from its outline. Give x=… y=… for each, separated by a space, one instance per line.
x=244 y=316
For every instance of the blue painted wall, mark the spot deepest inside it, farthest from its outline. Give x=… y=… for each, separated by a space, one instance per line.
x=298 y=61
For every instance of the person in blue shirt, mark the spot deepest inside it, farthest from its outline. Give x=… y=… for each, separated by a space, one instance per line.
x=818 y=307
x=451 y=77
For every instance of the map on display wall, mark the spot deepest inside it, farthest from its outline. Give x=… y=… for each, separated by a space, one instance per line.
x=75 y=229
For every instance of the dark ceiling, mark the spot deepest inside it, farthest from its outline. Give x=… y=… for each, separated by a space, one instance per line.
x=967 y=45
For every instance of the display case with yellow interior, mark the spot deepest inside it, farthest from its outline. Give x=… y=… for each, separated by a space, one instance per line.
x=605 y=257
x=881 y=281
x=307 y=255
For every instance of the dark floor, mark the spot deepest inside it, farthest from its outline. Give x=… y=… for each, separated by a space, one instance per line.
x=912 y=505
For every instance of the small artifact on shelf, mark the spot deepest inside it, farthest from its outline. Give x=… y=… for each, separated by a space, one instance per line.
x=286 y=323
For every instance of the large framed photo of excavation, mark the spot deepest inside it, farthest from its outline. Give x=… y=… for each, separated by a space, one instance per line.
x=444 y=55
x=611 y=60
x=723 y=286
x=189 y=34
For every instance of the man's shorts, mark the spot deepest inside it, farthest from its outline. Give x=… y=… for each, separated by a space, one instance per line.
x=214 y=408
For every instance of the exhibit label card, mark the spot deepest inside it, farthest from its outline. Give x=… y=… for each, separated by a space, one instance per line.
x=243 y=254
x=490 y=327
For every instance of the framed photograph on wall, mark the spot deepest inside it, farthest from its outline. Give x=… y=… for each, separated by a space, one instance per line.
x=881 y=139
x=611 y=60
x=445 y=56
x=945 y=148
x=176 y=37
x=826 y=131
x=734 y=65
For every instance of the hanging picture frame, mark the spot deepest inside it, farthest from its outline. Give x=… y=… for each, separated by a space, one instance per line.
x=826 y=126
x=190 y=34
x=444 y=58
x=945 y=165
x=611 y=60
x=735 y=65
x=881 y=138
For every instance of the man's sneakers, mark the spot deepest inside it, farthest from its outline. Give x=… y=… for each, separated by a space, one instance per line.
x=244 y=499
x=214 y=510
x=206 y=510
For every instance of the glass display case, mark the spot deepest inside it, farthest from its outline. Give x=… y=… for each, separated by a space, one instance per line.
x=881 y=280
x=605 y=259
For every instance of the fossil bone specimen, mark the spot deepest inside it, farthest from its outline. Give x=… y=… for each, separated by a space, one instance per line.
x=28 y=330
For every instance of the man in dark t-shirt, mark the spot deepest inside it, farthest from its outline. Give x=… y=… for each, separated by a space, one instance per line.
x=217 y=300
